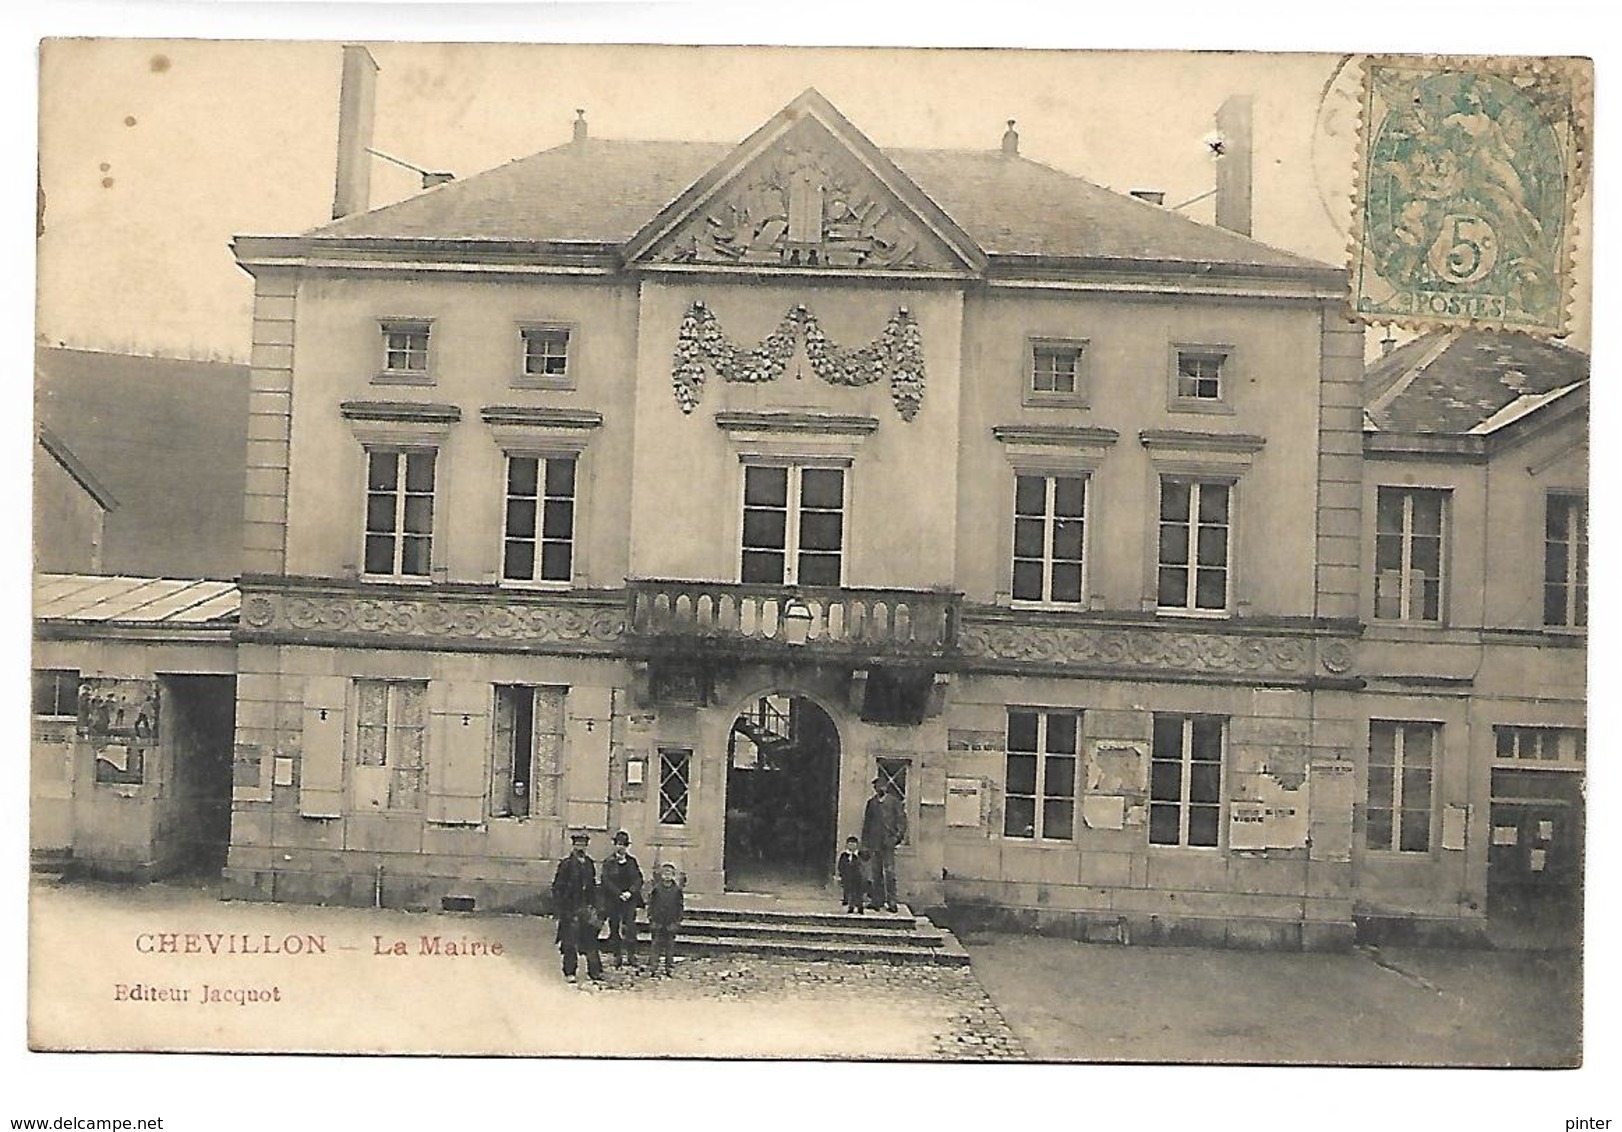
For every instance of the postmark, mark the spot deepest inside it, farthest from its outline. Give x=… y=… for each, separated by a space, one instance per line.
x=1468 y=173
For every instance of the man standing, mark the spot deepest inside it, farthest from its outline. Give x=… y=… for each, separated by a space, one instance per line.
x=884 y=826
x=622 y=896
x=574 y=902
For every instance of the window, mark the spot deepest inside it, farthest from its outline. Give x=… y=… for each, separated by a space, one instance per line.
x=1199 y=375
x=1040 y=793
x=1399 y=801
x=675 y=784
x=1048 y=515
x=399 y=512
x=539 y=540
x=546 y=355
x=1185 y=780
x=56 y=692
x=528 y=752
x=389 y=741
x=405 y=349
x=1540 y=744
x=1565 y=561
x=1408 y=554
x=1056 y=376
x=1194 y=544
x=793 y=525
x=894 y=773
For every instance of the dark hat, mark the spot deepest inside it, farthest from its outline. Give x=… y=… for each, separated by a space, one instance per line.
x=580 y=837
x=878 y=780
x=622 y=838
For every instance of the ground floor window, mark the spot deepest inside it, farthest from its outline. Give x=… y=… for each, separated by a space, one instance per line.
x=56 y=692
x=1185 y=780
x=675 y=784
x=527 y=759
x=1040 y=801
x=893 y=771
x=1401 y=756
x=389 y=741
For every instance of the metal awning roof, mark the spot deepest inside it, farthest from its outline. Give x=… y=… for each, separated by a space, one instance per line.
x=82 y=598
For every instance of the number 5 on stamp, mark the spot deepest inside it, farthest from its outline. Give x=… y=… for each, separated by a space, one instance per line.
x=1467 y=180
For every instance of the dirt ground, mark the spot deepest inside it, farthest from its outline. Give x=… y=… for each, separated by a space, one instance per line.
x=1072 y=1001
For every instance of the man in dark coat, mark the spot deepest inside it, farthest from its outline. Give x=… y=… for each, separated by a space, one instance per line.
x=884 y=826
x=574 y=902
x=622 y=896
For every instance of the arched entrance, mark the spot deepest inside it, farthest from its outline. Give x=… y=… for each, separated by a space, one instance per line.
x=782 y=796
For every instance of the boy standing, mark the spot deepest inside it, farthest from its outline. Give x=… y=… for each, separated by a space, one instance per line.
x=665 y=907
x=852 y=877
x=622 y=896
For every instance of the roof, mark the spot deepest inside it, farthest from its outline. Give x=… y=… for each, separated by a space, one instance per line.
x=1455 y=382
x=604 y=191
x=121 y=600
x=168 y=438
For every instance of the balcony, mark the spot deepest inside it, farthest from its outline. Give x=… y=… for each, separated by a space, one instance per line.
x=688 y=618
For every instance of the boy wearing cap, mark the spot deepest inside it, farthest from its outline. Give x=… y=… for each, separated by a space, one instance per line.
x=622 y=896
x=574 y=901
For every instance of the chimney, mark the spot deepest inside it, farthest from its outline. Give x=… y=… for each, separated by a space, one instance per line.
x=1233 y=165
x=1010 y=140
x=1150 y=196
x=579 y=125
x=1389 y=342
x=357 y=98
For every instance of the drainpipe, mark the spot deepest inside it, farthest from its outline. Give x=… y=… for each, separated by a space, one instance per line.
x=377 y=887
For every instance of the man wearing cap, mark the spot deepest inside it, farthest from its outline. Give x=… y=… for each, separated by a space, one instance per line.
x=622 y=896
x=574 y=902
x=884 y=826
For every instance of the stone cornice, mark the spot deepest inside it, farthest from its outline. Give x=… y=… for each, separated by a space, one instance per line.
x=820 y=424
x=1067 y=436
x=537 y=416
x=1178 y=440
x=403 y=412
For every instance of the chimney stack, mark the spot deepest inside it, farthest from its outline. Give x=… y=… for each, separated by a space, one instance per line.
x=1233 y=165
x=1389 y=342
x=579 y=125
x=357 y=100
x=1010 y=140
x=1150 y=196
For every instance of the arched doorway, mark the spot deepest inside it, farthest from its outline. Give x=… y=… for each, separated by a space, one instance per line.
x=782 y=796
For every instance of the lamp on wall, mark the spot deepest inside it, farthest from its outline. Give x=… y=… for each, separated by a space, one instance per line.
x=796 y=621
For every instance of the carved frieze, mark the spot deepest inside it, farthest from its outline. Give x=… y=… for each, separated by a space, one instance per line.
x=450 y=619
x=1247 y=656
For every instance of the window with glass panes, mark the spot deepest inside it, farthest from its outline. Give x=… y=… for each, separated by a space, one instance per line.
x=1194 y=543
x=894 y=772
x=399 y=511
x=1398 y=814
x=1039 y=792
x=538 y=545
x=1199 y=375
x=1540 y=744
x=793 y=524
x=405 y=347
x=389 y=734
x=546 y=351
x=675 y=784
x=1049 y=512
x=1055 y=369
x=56 y=691
x=1185 y=780
x=1565 y=561
x=1408 y=554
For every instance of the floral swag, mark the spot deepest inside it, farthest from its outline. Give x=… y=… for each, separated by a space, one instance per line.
x=897 y=353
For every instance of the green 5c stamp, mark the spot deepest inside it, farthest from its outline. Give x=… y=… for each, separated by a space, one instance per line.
x=1467 y=177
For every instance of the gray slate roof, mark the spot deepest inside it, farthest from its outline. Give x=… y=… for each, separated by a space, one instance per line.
x=1451 y=381
x=604 y=191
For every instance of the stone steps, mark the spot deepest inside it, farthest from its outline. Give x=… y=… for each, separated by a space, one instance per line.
x=806 y=933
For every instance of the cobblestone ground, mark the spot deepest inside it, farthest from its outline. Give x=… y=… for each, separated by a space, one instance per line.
x=974 y=1030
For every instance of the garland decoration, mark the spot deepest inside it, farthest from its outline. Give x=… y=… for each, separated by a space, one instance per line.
x=701 y=347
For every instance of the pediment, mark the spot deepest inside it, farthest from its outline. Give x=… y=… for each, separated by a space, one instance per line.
x=806 y=192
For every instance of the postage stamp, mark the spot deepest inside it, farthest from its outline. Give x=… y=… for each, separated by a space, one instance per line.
x=1467 y=177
